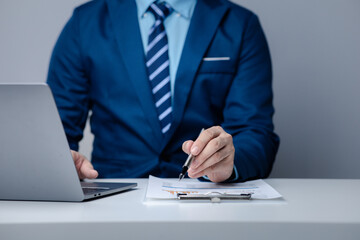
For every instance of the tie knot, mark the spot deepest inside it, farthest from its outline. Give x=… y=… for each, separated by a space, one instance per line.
x=160 y=10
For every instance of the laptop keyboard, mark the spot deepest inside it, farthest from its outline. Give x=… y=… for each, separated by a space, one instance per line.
x=88 y=191
x=103 y=188
x=91 y=188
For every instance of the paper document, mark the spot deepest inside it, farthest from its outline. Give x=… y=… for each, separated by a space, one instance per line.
x=159 y=188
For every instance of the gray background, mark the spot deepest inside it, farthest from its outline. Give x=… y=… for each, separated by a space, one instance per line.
x=316 y=61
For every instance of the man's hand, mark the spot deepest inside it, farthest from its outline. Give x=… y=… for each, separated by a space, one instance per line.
x=214 y=155
x=83 y=166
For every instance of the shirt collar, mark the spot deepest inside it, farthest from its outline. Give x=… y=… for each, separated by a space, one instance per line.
x=183 y=7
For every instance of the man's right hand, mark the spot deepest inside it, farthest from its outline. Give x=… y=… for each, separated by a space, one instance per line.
x=83 y=166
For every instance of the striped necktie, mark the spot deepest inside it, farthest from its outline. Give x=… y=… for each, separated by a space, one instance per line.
x=157 y=62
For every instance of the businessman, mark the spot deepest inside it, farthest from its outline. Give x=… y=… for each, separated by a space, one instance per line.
x=152 y=75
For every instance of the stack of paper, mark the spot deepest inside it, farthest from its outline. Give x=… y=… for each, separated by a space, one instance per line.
x=169 y=188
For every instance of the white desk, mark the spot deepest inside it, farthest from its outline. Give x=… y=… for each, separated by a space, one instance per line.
x=311 y=209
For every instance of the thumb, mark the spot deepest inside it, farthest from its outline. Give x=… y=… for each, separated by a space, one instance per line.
x=87 y=170
x=187 y=146
x=83 y=166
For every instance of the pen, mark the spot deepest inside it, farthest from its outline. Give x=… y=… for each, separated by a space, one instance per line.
x=187 y=163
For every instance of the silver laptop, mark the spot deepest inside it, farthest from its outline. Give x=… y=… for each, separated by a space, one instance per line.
x=35 y=158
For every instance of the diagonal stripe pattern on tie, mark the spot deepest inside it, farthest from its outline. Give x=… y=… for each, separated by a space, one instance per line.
x=157 y=63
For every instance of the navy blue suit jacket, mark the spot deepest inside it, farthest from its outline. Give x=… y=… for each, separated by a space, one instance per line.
x=98 y=66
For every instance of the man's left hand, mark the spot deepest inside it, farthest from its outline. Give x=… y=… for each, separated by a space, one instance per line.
x=214 y=154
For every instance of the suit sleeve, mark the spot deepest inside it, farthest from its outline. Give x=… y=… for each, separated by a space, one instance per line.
x=248 y=110
x=69 y=83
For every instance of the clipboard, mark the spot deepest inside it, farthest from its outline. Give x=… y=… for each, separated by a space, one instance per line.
x=159 y=188
x=214 y=197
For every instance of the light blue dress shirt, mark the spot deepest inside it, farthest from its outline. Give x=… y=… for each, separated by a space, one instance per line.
x=176 y=27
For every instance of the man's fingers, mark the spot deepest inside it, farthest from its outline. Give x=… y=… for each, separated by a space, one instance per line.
x=83 y=166
x=216 y=173
x=213 y=150
x=209 y=150
x=214 y=154
x=186 y=146
x=209 y=161
x=204 y=138
x=88 y=173
x=87 y=170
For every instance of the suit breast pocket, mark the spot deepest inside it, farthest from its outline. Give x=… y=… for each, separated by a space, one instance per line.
x=219 y=65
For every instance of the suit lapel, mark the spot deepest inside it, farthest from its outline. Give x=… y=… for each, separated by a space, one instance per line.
x=204 y=23
x=123 y=14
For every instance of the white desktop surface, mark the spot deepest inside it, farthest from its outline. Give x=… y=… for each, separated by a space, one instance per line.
x=310 y=209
